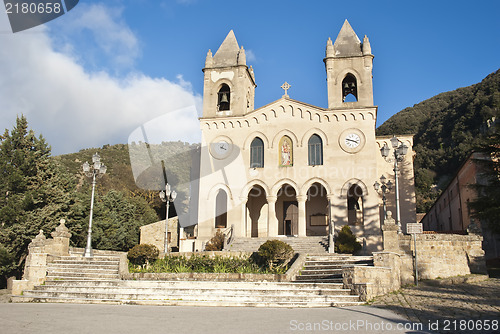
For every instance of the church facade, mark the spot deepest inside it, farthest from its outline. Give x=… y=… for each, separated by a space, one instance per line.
x=290 y=168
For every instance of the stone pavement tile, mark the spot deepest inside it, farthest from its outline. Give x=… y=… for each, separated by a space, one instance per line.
x=447 y=304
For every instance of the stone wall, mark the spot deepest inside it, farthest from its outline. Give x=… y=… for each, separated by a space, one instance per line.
x=40 y=252
x=446 y=255
x=369 y=282
x=439 y=256
x=154 y=234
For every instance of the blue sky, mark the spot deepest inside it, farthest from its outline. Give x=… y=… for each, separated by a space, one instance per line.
x=94 y=75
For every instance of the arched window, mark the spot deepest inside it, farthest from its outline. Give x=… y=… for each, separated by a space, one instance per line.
x=257 y=153
x=349 y=88
x=315 y=145
x=221 y=209
x=223 y=98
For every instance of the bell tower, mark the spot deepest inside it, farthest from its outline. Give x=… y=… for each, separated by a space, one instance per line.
x=229 y=84
x=349 y=64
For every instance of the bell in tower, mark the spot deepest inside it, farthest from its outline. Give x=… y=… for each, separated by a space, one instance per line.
x=348 y=64
x=229 y=83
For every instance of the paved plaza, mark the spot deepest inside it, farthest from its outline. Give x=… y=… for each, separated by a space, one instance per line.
x=450 y=304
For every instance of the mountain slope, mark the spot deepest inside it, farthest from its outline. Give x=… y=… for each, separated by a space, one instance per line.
x=446 y=129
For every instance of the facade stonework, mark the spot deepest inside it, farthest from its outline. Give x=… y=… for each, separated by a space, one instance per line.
x=289 y=168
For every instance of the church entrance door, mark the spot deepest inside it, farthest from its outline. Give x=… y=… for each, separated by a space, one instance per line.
x=290 y=218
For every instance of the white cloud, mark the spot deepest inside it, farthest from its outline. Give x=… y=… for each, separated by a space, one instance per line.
x=110 y=35
x=250 y=55
x=74 y=108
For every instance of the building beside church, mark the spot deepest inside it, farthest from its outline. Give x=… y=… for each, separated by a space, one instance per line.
x=288 y=168
x=451 y=212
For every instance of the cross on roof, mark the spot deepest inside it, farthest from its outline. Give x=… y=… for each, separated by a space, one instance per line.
x=286 y=86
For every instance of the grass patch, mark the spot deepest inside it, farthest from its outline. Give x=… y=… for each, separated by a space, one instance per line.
x=206 y=264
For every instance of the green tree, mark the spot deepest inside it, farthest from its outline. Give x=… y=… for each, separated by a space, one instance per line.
x=116 y=222
x=35 y=193
x=487 y=205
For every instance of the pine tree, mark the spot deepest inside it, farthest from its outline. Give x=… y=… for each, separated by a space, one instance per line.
x=34 y=193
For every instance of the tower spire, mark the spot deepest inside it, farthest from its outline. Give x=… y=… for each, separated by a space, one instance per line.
x=347 y=43
x=227 y=54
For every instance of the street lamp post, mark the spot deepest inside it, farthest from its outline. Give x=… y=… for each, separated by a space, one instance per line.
x=385 y=187
x=96 y=171
x=399 y=152
x=167 y=196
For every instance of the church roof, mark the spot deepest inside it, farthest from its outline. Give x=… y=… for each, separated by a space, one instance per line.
x=227 y=55
x=347 y=43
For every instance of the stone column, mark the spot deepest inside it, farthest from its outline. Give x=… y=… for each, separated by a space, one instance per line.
x=272 y=220
x=390 y=234
x=246 y=226
x=302 y=215
x=331 y=225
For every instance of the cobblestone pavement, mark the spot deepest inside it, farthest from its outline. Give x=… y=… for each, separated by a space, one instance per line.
x=445 y=307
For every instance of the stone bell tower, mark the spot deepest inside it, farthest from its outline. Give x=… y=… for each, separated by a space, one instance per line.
x=349 y=66
x=229 y=84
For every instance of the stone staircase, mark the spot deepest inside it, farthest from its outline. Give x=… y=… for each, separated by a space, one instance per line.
x=328 y=268
x=308 y=245
x=74 y=279
x=191 y=293
x=70 y=268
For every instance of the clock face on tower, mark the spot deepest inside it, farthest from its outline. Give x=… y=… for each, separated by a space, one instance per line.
x=352 y=140
x=220 y=149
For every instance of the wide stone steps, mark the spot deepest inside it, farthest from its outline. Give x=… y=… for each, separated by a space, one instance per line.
x=328 y=268
x=201 y=293
x=76 y=267
x=200 y=284
x=97 y=280
x=201 y=303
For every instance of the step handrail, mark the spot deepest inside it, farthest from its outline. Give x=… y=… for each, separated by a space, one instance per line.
x=228 y=236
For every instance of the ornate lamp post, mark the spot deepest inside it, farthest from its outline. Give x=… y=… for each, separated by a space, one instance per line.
x=385 y=187
x=96 y=171
x=167 y=196
x=399 y=152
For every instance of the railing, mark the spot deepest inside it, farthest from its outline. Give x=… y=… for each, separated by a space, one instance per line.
x=228 y=236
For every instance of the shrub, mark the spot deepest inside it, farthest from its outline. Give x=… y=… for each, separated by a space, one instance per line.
x=143 y=254
x=275 y=253
x=216 y=243
x=346 y=242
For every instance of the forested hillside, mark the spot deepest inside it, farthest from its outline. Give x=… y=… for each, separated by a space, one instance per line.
x=446 y=128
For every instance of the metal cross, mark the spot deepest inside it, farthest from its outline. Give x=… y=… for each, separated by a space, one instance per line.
x=286 y=87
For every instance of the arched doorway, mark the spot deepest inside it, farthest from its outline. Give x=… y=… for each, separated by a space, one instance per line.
x=316 y=210
x=257 y=212
x=287 y=211
x=355 y=210
x=221 y=209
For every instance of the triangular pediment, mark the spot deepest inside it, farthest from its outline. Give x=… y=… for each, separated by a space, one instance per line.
x=284 y=103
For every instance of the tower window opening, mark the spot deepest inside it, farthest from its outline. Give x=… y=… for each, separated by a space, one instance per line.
x=223 y=98
x=349 y=89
